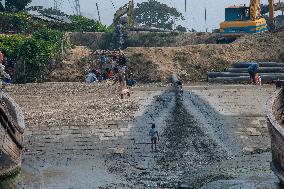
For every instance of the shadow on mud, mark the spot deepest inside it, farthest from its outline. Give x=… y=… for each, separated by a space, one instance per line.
x=197 y=147
x=202 y=147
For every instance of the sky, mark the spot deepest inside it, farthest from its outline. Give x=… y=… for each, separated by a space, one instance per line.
x=194 y=15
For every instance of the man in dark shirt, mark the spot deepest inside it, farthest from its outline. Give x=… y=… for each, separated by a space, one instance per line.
x=252 y=70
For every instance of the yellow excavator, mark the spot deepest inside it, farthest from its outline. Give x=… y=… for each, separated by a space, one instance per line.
x=272 y=20
x=126 y=9
x=242 y=19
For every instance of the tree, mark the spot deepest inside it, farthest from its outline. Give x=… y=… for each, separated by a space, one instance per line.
x=46 y=11
x=51 y=11
x=2 y=9
x=156 y=14
x=181 y=28
x=16 y=5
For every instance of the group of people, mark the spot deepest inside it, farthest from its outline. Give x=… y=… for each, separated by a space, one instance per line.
x=112 y=66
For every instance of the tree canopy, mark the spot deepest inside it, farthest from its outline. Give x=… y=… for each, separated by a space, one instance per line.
x=181 y=28
x=156 y=14
x=16 y=5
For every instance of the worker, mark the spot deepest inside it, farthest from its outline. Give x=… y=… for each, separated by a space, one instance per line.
x=108 y=74
x=153 y=133
x=252 y=70
x=1 y=57
x=130 y=80
x=6 y=77
x=91 y=77
x=179 y=85
x=121 y=59
x=121 y=78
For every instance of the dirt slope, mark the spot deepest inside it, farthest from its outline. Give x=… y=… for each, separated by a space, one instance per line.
x=152 y=64
x=74 y=66
x=192 y=62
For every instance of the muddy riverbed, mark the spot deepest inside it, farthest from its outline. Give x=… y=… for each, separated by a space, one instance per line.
x=81 y=136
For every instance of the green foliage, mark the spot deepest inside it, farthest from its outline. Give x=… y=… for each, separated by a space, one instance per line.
x=34 y=58
x=21 y=22
x=181 y=28
x=8 y=44
x=12 y=180
x=40 y=42
x=16 y=5
x=33 y=53
x=156 y=14
x=53 y=37
x=51 y=11
x=46 y=11
x=83 y=24
x=14 y=22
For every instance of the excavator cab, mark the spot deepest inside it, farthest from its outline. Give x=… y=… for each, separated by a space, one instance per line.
x=237 y=14
x=244 y=20
x=238 y=21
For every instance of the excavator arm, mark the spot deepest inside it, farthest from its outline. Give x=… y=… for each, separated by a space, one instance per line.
x=271 y=8
x=119 y=13
x=130 y=14
x=276 y=7
x=126 y=9
x=254 y=9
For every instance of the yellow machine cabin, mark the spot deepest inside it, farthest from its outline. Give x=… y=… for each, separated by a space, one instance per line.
x=242 y=19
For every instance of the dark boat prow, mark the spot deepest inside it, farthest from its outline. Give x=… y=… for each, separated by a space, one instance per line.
x=12 y=128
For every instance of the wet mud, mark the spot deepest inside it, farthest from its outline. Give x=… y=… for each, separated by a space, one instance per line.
x=203 y=147
x=209 y=138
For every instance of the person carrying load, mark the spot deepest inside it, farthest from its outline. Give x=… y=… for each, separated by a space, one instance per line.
x=252 y=70
x=121 y=78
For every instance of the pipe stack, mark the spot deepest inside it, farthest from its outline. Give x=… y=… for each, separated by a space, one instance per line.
x=268 y=71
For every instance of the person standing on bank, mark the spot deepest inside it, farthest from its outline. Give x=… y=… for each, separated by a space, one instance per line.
x=153 y=133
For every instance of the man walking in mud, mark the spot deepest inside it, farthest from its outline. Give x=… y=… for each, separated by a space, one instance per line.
x=153 y=133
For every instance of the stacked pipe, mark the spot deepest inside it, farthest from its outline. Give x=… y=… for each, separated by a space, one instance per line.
x=268 y=71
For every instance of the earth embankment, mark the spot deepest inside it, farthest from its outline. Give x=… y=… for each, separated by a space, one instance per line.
x=190 y=60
